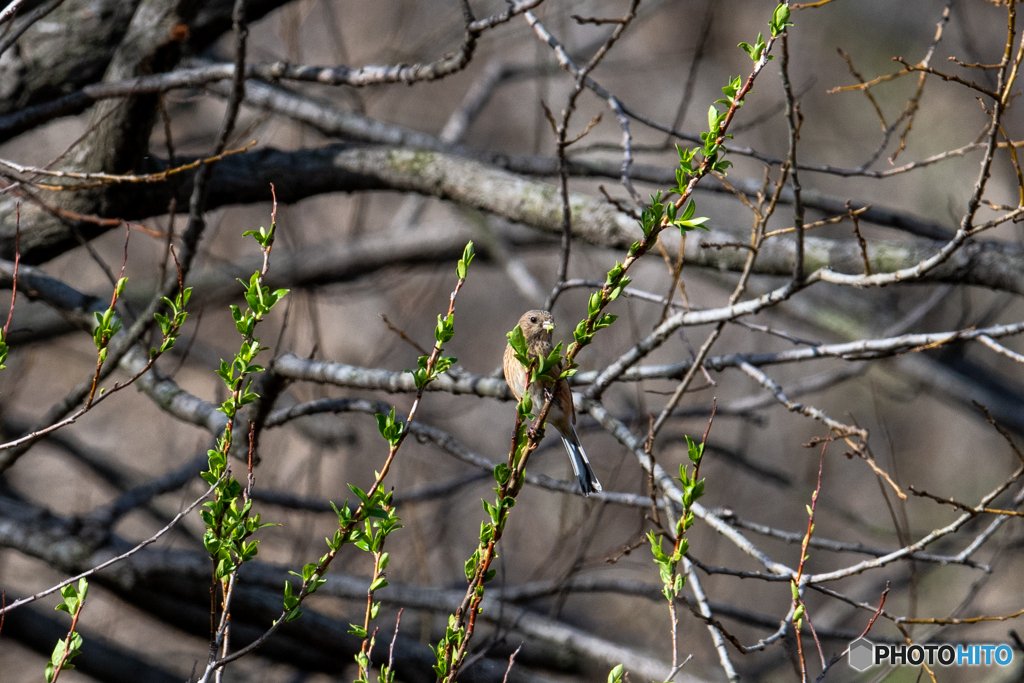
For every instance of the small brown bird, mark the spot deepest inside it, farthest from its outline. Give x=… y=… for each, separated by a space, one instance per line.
x=537 y=327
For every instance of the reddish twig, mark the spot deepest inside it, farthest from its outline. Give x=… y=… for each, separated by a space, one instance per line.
x=511 y=661
x=963 y=506
x=67 y=640
x=17 y=261
x=796 y=583
x=391 y=649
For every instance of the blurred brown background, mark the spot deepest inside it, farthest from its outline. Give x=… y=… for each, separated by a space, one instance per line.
x=916 y=406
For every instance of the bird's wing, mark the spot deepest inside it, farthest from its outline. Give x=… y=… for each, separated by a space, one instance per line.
x=515 y=373
x=563 y=397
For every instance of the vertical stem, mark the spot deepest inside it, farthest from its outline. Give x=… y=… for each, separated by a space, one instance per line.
x=793 y=119
x=67 y=641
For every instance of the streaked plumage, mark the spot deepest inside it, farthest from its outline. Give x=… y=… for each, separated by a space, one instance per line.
x=537 y=327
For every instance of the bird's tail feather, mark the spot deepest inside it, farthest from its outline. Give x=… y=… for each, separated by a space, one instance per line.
x=580 y=465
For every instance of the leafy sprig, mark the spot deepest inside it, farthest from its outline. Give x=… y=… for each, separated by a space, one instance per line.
x=228 y=518
x=692 y=489
x=510 y=476
x=780 y=19
x=171 y=322
x=429 y=368
x=757 y=49
x=108 y=324
x=389 y=427
x=382 y=522
x=680 y=211
x=369 y=523
x=672 y=580
x=72 y=602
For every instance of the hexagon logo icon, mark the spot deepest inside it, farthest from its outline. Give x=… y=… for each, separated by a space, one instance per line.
x=861 y=654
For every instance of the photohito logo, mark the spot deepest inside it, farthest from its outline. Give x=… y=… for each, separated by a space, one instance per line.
x=865 y=654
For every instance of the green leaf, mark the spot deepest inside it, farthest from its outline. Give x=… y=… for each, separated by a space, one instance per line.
x=780 y=19
x=491 y=510
x=694 y=450
x=688 y=211
x=798 y=613
x=467 y=257
x=470 y=567
x=502 y=473
x=359 y=492
x=389 y=428
x=517 y=340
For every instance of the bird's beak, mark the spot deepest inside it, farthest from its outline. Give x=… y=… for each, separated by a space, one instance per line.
x=548 y=326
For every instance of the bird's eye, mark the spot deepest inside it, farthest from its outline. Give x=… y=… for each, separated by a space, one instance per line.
x=533 y=319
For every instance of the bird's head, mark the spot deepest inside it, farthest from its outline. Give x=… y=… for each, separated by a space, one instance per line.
x=537 y=325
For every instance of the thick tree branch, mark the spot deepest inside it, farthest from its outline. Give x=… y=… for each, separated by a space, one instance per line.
x=331 y=121
x=297 y=175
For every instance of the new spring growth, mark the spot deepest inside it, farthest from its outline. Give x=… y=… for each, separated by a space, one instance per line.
x=367 y=525
x=756 y=50
x=228 y=523
x=373 y=506
x=171 y=323
x=370 y=539
x=228 y=517
x=444 y=330
x=583 y=335
x=452 y=639
x=777 y=24
x=780 y=19
x=657 y=215
x=308 y=576
x=73 y=599
x=517 y=340
x=107 y=324
x=692 y=489
x=798 y=613
x=542 y=368
x=389 y=427
x=656 y=212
